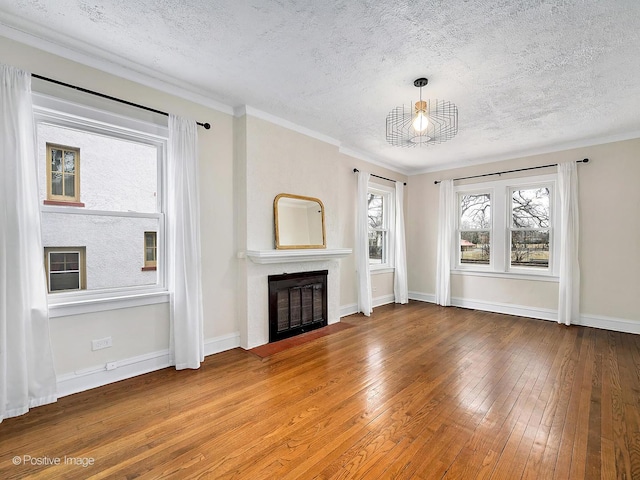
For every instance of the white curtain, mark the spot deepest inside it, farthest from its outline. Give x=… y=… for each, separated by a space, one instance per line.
x=27 y=376
x=362 y=245
x=446 y=212
x=569 y=294
x=183 y=255
x=400 y=289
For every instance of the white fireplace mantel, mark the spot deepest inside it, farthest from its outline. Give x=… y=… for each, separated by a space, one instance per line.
x=298 y=255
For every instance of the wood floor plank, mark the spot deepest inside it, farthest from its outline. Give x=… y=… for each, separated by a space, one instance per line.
x=415 y=391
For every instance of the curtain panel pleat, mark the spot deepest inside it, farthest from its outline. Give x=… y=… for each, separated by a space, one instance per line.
x=446 y=212
x=27 y=375
x=569 y=286
x=400 y=288
x=184 y=255
x=363 y=276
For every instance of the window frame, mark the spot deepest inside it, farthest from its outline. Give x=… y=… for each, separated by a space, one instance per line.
x=388 y=217
x=82 y=266
x=458 y=231
x=53 y=199
x=64 y=113
x=550 y=228
x=150 y=265
x=500 y=250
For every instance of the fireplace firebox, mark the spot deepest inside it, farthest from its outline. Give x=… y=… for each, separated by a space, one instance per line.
x=297 y=303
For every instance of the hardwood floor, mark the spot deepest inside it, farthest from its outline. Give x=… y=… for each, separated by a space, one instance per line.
x=415 y=391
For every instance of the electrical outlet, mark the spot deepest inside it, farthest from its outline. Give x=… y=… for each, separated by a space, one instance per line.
x=111 y=366
x=101 y=343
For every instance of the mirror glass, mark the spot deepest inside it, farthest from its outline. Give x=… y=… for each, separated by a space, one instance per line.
x=299 y=222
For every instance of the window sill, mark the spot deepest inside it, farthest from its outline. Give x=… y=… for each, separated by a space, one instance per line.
x=510 y=275
x=63 y=305
x=63 y=204
x=377 y=270
x=148 y=269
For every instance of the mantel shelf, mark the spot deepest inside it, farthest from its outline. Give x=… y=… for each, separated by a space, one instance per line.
x=301 y=255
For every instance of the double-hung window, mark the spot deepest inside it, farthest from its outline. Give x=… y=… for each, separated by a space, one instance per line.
x=475 y=228
x=380 y=201
x=507 y=227
x=529 y=232
x=104 y=243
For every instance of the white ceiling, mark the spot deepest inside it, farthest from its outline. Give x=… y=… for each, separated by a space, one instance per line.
x=527 y=76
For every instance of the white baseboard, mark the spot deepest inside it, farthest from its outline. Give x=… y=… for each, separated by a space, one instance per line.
x=422 y=297
x=350 y=309
x=610 y=323
x=383 y=300
x=221 y=343
x=506 y=308
x=586 y=320
x=86 y=379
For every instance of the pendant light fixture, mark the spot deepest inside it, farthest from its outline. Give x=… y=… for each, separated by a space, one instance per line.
x=427 y=122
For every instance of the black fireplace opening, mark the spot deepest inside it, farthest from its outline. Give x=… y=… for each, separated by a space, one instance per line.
x=297 y=303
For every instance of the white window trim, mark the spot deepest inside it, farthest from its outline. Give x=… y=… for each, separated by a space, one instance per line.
x=389 y=194
x=499 y=263
x=80 y=271
x=55 y=111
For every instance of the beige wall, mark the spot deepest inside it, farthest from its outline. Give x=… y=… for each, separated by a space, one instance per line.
x=271 y=160
x=246 y=161
x=609 y=233
x=143 y=330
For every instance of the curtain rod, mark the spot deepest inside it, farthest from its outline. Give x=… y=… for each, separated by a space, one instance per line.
x=207 y=126
x=378 y=176
x=586 y=160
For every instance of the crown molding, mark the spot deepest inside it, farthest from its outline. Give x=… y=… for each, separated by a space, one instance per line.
x=36 y=36
x=367 y=158
x=561 y=147
x=254 y=112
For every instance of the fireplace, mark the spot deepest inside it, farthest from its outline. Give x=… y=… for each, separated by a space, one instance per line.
x=297 y=303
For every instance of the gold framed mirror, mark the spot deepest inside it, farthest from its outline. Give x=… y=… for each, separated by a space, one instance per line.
x=299 y=222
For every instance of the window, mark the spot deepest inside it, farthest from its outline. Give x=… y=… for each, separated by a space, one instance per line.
x=63 y=175
x=121 y=177
x=529 y=232
x=507 y=226
x=150 y=250
x=380 y=204
x=475 y=228
x=65 y=268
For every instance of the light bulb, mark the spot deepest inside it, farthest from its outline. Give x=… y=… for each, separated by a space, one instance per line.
x=420 y=121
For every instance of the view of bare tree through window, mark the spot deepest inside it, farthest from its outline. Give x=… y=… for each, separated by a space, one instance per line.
x=475 y=229
x=377 y=228
x=530 y=216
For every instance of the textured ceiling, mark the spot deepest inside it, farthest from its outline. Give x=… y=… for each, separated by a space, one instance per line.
x=527 y=75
